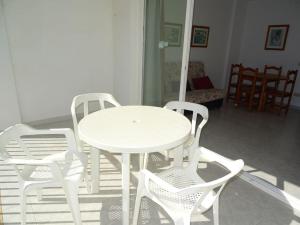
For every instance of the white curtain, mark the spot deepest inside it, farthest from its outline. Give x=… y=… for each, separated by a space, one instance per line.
x=152 y=69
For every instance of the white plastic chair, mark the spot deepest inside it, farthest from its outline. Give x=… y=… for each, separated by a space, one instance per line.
x=197 y=110
x=181 y=191
x=84 y=100
x=63 y=169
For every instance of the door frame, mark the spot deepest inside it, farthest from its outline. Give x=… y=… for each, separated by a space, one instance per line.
x=185 y=52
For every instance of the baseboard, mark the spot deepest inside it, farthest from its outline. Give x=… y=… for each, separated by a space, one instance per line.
x=296 y=107
x=50 y=120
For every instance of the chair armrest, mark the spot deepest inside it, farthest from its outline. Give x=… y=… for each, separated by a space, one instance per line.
x=32 y=162
x=114 y=102
x=57 y=173
x=27 y=130
x=205 y=155
x=67 y=132
x=210 y=156
x=147 y=176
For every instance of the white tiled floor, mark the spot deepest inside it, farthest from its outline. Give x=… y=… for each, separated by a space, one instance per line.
x=240 y=202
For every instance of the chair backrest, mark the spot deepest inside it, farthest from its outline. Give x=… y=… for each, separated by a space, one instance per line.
x=84 y=100
x=6 y=136
x=235 y=69
x=234 y=73
x=248 y=74
x=290 y=81
x=272 y=70
x=196 y=109
x=211 y=189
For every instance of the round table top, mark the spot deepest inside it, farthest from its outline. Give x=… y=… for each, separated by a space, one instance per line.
x=134 y=129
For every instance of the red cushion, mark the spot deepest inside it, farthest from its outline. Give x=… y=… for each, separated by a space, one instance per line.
x=202 y=83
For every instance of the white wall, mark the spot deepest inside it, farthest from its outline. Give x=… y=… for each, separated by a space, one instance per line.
x=216 y=14
x=260 y=14
x=59 y=48
x=9 y=110
x=128 y=43
x=237 y=29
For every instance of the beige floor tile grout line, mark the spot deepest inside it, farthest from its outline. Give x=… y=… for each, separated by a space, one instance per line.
x=286 y=198
x=1 y=213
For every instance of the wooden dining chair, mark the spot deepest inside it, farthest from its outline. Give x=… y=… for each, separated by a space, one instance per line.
x=284 y=95
x=274 y=71
x=247 y=87
x=233 y=82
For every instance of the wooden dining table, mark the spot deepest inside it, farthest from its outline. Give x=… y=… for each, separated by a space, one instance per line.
x=265 y=79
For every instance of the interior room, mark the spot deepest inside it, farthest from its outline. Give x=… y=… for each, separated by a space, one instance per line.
x=149 y=112
x=238 y=35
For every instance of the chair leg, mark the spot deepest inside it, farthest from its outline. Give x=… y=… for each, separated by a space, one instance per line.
x=216 y=211
x=71 y=191
x=182 y=221
x=86 y=180
x=286 y=110
x=228 y=93
x=23 y=206
x=250 y=101
x=137 y=207
x=145 y=161
x=167 y=156
x=142 y=156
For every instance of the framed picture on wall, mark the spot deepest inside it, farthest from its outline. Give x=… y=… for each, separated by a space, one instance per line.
x=276 y=37
x=172 y=33
x=200 y=36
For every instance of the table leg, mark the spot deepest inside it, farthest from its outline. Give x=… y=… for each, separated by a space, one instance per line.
x=142 y=156
x=95 y=153
x=143 y=160
x=125 y=187
x=262 y=95
x=178 y=156
x=238 y=93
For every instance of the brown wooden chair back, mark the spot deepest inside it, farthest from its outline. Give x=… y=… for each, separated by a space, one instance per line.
x=235 y=68
x=233 y=81
x=248 y=74
x=247 y=85
x=272 y=70
x=290 y=81
x=234 y=73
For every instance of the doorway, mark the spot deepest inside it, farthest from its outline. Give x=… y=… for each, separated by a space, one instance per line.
x=166 y=50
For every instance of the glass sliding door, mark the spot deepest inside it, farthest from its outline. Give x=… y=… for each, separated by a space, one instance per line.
x=164 y=34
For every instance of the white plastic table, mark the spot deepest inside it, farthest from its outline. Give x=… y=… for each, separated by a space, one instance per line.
x=132 y=129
